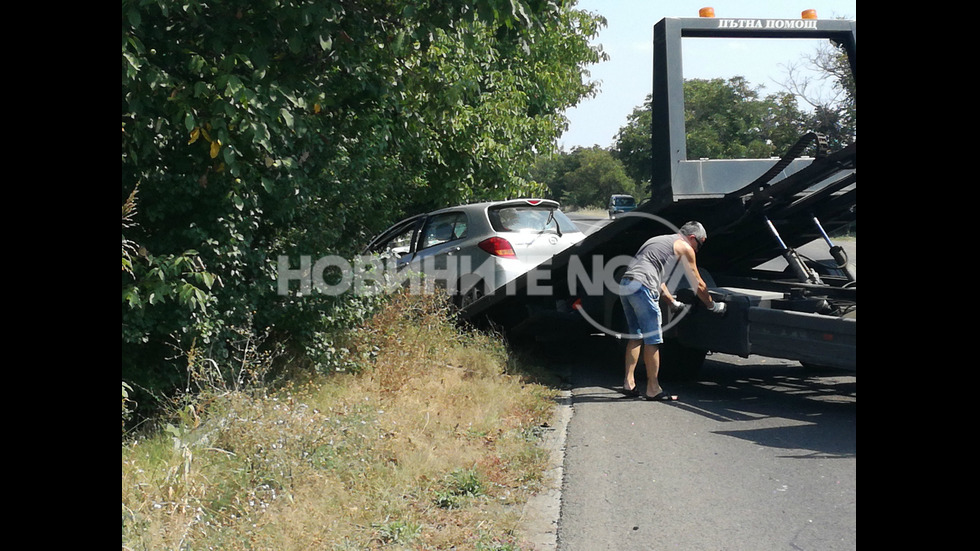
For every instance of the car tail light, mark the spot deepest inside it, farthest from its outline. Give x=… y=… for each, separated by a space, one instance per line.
x=498 y=246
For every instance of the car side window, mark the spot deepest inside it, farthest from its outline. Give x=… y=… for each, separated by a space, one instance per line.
x=443 y=228
x=400 y=241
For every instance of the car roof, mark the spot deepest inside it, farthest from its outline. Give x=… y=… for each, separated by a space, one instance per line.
x=479 y=206
x=482 y=205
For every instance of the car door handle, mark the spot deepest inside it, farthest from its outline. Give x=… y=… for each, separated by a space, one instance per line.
x=450 y=252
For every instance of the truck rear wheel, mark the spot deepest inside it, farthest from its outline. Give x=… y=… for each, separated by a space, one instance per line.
x=679 y=362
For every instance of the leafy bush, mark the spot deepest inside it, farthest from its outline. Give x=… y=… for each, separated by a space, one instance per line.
x=303 y=128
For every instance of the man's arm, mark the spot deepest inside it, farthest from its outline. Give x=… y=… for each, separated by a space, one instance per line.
x=669 y=298
x=685 y=255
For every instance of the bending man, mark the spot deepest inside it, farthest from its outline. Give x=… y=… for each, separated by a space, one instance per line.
x=642 y=288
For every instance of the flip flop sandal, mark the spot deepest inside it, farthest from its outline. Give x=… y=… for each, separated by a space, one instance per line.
x=631 y=391
x=662 y=397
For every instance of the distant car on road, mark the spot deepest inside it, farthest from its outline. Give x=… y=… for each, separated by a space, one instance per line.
x=620 y=203
x=474 y=249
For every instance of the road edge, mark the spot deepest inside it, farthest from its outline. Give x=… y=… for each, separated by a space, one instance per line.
x=543 y=510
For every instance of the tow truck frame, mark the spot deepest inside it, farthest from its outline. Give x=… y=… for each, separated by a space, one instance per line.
x=754 y=210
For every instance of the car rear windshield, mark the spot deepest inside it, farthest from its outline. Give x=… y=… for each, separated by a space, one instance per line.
x=528 y=218
x=624 y=201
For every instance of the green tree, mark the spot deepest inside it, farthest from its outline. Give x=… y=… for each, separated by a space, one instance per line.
x=724 y=119
x=632 y=146
x=585 y=177
x=597 y=176
x=729 y=120
x=289 y=127
x=833 y=115
x=550 y=170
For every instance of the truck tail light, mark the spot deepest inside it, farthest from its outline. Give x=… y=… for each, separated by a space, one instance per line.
x=498 y=246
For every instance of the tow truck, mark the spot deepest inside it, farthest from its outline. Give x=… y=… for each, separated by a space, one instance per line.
x=754 y=210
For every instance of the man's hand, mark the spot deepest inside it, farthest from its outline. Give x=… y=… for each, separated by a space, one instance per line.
x=676 y=305
x=718 y=308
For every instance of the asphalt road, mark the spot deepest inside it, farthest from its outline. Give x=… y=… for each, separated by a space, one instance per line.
x=587 y=224
x=758 y=454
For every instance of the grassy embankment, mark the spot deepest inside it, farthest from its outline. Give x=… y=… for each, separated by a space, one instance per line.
x=434 y=445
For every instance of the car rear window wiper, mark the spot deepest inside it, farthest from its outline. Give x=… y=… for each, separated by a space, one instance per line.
x=551 y=218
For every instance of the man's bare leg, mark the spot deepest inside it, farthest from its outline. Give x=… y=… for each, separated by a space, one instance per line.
x=651 y=357
x=632 y=358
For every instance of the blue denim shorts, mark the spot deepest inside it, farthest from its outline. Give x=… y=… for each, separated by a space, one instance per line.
x=642 y=311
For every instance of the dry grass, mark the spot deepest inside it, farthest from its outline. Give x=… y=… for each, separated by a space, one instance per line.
x=594 y=212
x=433 y=447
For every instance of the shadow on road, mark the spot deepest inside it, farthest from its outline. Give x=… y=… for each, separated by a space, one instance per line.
x=772 y=403
x=789 y=406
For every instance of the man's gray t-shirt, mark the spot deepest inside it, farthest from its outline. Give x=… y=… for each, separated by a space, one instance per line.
x=649 y=263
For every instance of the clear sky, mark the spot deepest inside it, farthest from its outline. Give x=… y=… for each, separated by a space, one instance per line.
x=626 y=78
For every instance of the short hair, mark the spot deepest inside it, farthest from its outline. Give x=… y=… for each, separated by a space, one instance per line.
x=695 y=229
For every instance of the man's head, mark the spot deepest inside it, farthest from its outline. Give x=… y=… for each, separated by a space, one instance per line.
x=695 y=230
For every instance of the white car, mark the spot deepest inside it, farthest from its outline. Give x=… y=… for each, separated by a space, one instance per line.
x=471 y=250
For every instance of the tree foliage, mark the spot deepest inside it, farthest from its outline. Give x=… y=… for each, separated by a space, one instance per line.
x=300 y=127
x=632 y=145
x=724 y=119
x=585 y=177
x=729 y=120
x=835 y=111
